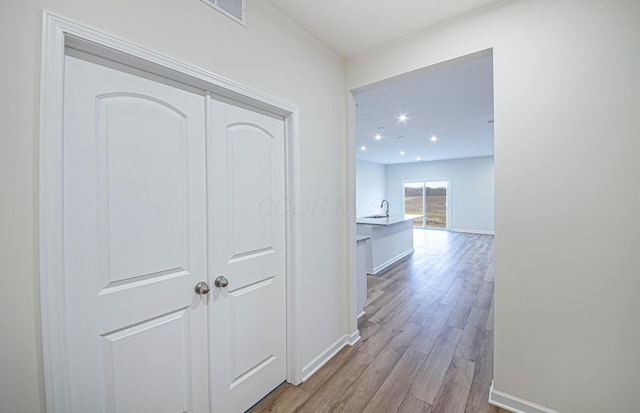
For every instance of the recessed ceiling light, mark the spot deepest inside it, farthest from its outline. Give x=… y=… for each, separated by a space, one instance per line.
x=363 y=148
x=434 y=138
x=403 y=117
x=418 y=158
x=401 y=152
x=378 y=136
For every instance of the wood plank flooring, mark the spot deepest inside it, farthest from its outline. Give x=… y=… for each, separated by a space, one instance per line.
x=427 y=338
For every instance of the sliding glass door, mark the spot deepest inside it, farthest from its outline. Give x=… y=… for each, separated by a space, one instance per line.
x=414 y=201
x=436 y=203
x=428 y=198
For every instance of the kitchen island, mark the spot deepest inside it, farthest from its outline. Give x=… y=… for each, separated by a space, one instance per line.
x=391 y=239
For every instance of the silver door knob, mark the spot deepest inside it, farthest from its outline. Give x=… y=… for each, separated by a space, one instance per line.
x=221 y=282
x=202 y=288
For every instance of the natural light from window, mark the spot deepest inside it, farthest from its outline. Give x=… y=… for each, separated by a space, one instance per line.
x=427 y=198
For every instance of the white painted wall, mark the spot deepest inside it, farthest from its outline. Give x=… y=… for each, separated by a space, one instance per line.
x=567 y=265
x=272 y=55
x=470 y=194
x=370 y=187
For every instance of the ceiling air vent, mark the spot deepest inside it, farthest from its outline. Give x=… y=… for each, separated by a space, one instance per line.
x=235 y=9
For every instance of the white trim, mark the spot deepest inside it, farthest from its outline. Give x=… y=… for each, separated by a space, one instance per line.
x=294 y=252
x=515 y=404
x=385 y=264
x=361 y=314
x=354 y=337
x=321 y=359
x=57 y=33
x=351 y=281
x=52 y=282
x=472 y=231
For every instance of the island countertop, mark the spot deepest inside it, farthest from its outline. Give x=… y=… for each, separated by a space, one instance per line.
x=360 y=238
x=393 y=219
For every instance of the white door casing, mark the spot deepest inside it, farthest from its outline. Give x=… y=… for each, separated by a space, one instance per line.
x=58 y=34
x=248 y=317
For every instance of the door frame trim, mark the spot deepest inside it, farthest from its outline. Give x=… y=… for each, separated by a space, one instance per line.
x=59 y=33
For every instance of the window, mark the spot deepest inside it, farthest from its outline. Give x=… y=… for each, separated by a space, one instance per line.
x=429 y=199
x=414 y=201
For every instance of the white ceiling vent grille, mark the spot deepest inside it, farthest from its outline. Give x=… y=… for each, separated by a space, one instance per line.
x=235 y=9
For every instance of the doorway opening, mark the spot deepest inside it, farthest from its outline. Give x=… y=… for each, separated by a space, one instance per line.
x=423 y=141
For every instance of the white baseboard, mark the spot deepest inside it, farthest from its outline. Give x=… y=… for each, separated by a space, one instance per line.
x=515 y=404
x=374 y=271
x=360 y=315
x=315 y=364
x=354 y=337
x=473 y=231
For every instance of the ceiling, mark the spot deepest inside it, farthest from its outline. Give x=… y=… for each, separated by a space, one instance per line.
x=453 y=102
x=353 y=26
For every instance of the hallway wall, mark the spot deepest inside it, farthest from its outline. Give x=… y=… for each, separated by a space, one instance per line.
x=567 y=230
x=272 y=55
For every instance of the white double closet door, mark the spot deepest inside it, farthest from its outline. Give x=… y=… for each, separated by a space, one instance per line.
x=165 y=187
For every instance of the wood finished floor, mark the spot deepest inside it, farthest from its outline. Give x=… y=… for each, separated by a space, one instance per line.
x=427 y=338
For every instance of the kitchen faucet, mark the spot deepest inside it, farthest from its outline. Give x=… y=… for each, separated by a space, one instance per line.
x=382 y=204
